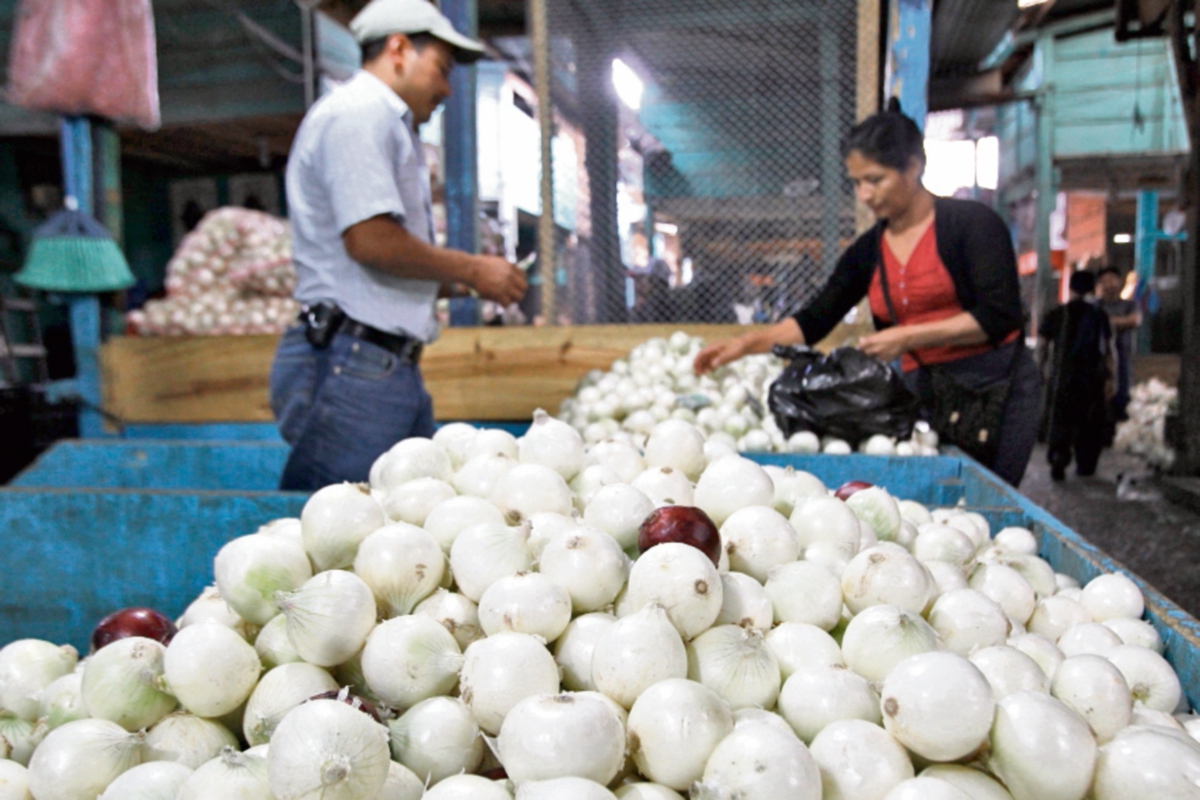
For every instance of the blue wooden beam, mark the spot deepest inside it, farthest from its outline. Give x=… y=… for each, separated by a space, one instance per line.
x=909 y=36
x=462 y=155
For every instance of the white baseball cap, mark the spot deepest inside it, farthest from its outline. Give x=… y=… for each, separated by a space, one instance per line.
x=382 y=18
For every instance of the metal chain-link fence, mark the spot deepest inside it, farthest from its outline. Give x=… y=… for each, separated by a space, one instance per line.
x=697 y=174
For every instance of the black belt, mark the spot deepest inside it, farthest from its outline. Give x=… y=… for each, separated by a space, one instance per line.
x=323 y=320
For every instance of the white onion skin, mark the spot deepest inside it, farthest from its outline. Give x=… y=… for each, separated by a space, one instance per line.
x=1096 y=690
x=1053 y=616
x=303 y=761
x=683 y=581
x=483 y=554
x=588 y=564
x=501 y=671
x=730 y=484
x=859 y=760
x=526 y=603
x=14 y=783
x=621 y=457
x=402 y=564
x=1147 y=762
x=938 y=705
x=333 y=522
x=1113 y=596
x=467 y=787
x=736 y=664
x=478 y=477
x=797 y=645
x=885 y=575
x=637 y=652
x=814 y=697
x=647 y=791
x=1088 y=638
x=665 y=487
x=437 y=738
x=744 y=602
x=401 y=784
x=451 y=517
x=1041 y=749
x=1009 y=670
x=828 y=520
x=154 y=780
x=557 y=788
x=187 y=739
x=280 y=690
x=65 y=765
x=914 y=512
x=409 y=659
x=116 y=672
x=250 y=569
x=619 y=509
x=946 y=577
x=976 y=784
x=805 y=592
x=760 y=761
x=491 y=441
x=273 y=645
x=1136 y=632
x=966 y=620
x=1007 y=587
x=673 y=728
x=878 y=509
x=1150 y=678
x=199 y=649
x=552 y=443
x=411 y=502
x=456 y=613
x=559 y=736
x=679 y=445
x=232 y=775
x=1042 y=650
x=573 y=650
x=329 y=617
x=62 y=701
x=880 y=637
x=758 y=538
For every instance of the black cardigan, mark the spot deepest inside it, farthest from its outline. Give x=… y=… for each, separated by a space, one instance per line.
x=976 y=248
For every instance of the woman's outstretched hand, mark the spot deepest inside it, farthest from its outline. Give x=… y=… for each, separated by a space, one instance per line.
x=719 y=354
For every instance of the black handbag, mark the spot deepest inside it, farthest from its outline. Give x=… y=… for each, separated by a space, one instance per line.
x=965 y=417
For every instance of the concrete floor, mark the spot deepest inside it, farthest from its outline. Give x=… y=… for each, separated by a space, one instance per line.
x=1155 y=538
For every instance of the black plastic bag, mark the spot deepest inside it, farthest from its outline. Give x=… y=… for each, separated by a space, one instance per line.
x=846 y=394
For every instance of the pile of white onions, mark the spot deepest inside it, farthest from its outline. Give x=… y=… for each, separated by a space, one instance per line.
x=483 y=592
x=1144 y=433
x=657 y=382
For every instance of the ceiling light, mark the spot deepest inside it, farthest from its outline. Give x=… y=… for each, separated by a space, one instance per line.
x=627 y=83
x=1122 y=238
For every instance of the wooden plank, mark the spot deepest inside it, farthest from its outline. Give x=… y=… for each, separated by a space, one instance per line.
x=472 y=373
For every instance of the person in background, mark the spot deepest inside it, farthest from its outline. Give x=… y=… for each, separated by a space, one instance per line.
x=1080 y=378
x=952 y=278
x=1124 y=317
x=345 y=383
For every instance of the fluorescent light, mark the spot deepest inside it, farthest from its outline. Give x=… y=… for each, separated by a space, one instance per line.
x=1122 y=238
x=1030 y=3
x=627 y=83
x=667 y=228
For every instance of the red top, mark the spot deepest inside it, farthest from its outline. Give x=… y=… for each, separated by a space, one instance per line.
x=922 y=291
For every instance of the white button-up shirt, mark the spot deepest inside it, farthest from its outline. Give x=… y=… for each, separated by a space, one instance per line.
x=357 y=156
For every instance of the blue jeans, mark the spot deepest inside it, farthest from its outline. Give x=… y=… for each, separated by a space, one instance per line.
x=342 y=407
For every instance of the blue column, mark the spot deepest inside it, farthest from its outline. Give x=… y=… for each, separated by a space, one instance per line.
x=909 y=32
x=462 y=159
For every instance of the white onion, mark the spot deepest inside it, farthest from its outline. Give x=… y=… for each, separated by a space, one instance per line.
x=156 y=780
x=528 y=489
x=730 y=484
x=621 y=457
x=123 y=683
x=827 y=555
x=1016 y=540
x=758 y=538
x=562 y=735
x=1147 y=762
x=187 y=739
x=329 y=617
x=491 y=441
x=410 y=459
x=814 y=697
x=588 y=564
x=926 y=789
x=1037 y=572
x=1065 y=582
x=327 y=750
x=976 y=784
x=1009 y=670
x=14 y=784
x=484 y=554
x=678 y=445
x=797 y=645
x=456 y=438
x=402 y=564
x=401 y=784
x=211 y=607
x=590 y=481
x=1096 y=690
x=914 y=512
x=938 y=705
x=880 y=637
x=1088 y=637
x=836 y=447
x=526 y=603
x=859 y=760
x=468 y=787
x=970 y=523
x=715 y=447
x=210 y=669
x=1043 y=651
x=413 y=501
x=19 y=737
x=1113 y=595
x=1151 y=679
x=759 y=762
x=1153 y=718
x=335 y=519
x=451 y=517
x=279 y=691
x=546 y=526
x=27 y=666
x=62 y=701
x=558 y=788
x=619 y=510
x=1041 y=749
x=829 y=520
x=573 y=650
x=803 y=442
x=552 y=444
x=906 y=535
x=1007 y=587
x=410 y=659
x=81 y=758
x=250 y=569
x=682 y=580
x=456 y=613
x=502 y=670
x=647 y=791
x=805 y=592
x=273 y=645
x=736 y=664
x=966 y=620
x=938 y=542
x=1052 y=616
x=878 y=509
x=674 y=726
x=665 y=486
x=437 y=738
x=793 y=486
x=946 y=576
x=744 y=602
x=230 y=775
x=1137 y=632
x=478 y=477
x=637 y=652
x=885 y=575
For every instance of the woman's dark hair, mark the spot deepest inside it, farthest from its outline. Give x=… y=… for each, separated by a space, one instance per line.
x=1108 y=271
x=889 y=138
x=373 y=48
x=1083 y=282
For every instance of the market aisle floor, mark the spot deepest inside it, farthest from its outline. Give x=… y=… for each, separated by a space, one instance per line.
x=1157 y=539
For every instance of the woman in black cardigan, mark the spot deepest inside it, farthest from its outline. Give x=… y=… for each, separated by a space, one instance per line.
x=952 y=278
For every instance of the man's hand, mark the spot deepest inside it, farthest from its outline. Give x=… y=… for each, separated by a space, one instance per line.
x=886 y=345
x=496 y=279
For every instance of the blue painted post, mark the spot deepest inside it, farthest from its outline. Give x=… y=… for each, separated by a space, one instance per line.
x=1145 y=238
x=462 y=164
x=908 y=56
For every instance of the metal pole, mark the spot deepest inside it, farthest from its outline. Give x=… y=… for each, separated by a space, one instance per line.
x=307 y=45
x=1046 y=295
x=540 y=41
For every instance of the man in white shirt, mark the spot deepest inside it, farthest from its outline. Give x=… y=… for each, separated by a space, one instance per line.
x=346 y=384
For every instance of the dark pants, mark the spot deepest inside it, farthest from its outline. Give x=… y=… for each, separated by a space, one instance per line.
x=1018 y=430
x=342 y=407
x=1078 y=427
